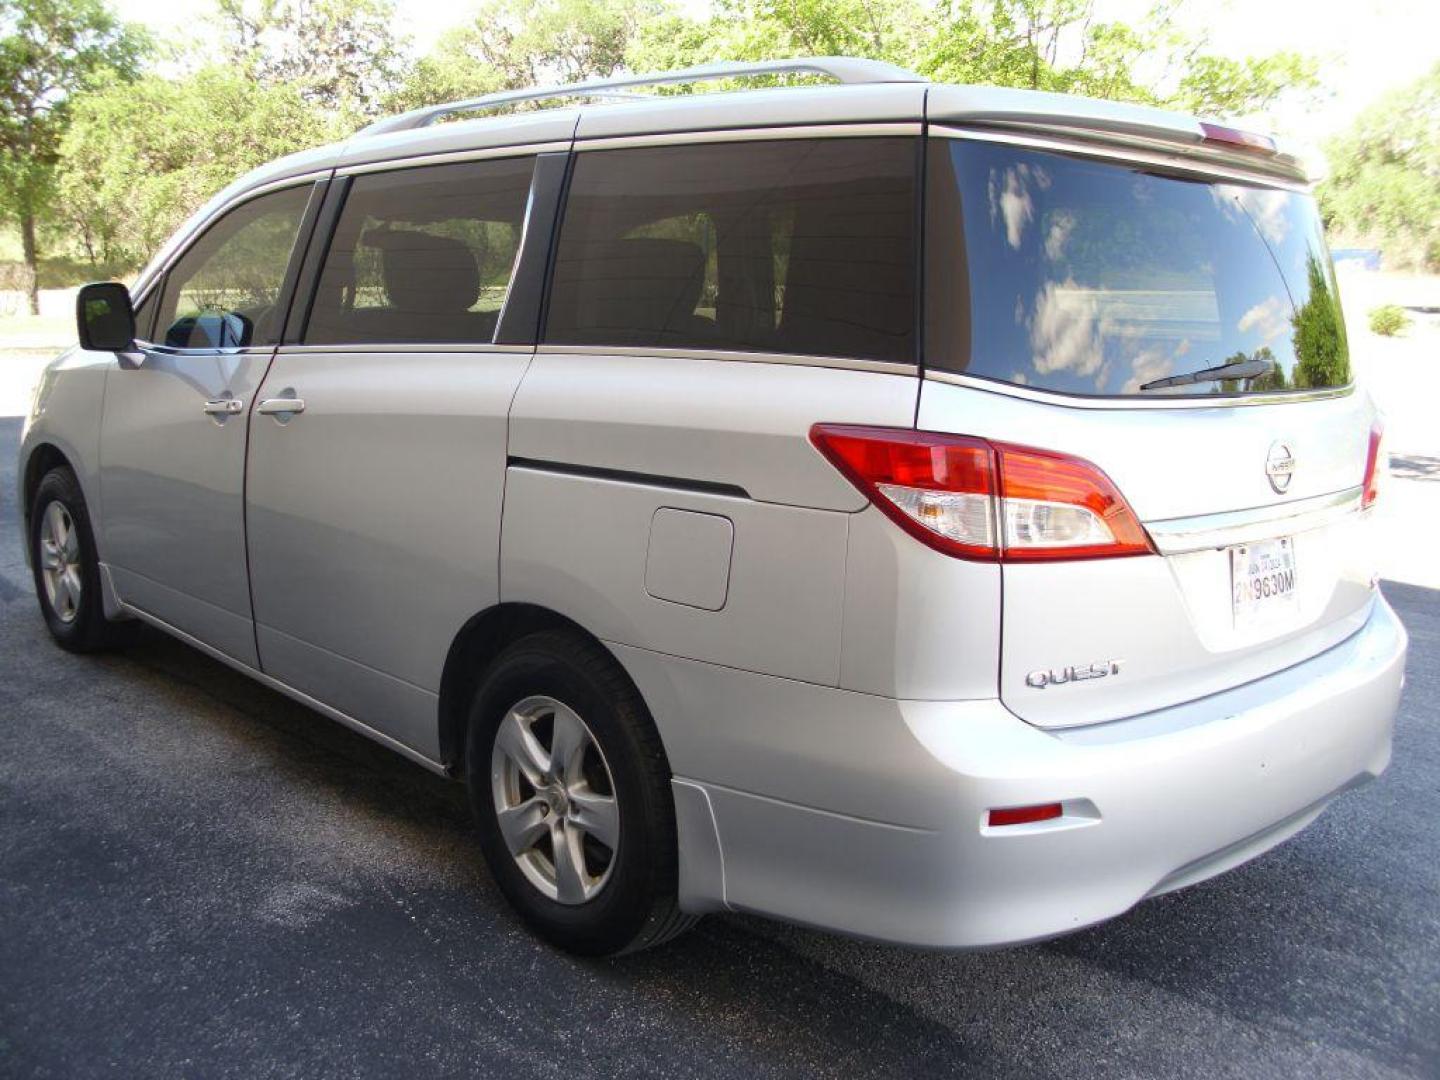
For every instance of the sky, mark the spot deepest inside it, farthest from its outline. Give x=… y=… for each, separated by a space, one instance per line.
x=1365 y=48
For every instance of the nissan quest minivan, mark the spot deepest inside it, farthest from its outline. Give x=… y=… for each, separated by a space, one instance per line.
x=939 y=514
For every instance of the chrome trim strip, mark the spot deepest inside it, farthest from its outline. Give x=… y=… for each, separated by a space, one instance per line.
x=289 y=691
x=452 y=157
x=750 y=134
x=882 y=367
x=403 y=347
x=1173 y=536
x=238 y=350
x=1198 y=160
x=1076 y=401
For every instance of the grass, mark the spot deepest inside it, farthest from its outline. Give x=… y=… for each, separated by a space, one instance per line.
x=36 y=332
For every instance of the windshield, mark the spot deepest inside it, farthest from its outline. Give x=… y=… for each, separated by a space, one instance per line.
x=1101 y=278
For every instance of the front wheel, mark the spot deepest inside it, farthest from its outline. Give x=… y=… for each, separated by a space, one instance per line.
x=571 y=793
x=66 y=566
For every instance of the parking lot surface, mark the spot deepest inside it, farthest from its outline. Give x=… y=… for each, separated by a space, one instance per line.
x=201 y=878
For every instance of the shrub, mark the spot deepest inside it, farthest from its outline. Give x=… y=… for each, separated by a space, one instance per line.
x=1389 y=320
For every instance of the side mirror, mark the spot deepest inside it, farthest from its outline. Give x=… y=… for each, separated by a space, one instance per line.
x=104 y=317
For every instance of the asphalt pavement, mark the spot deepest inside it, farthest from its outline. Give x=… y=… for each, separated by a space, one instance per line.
x=200 y=878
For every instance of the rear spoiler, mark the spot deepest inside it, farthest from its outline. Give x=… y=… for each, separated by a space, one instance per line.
x=1111 y=123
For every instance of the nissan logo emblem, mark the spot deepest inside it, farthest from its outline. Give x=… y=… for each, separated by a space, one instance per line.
x=1280 y=467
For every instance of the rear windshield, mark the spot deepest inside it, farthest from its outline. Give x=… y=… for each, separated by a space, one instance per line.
x=1098 y=278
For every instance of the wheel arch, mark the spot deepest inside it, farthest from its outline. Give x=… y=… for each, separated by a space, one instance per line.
x=42 y=457
x=479 y=641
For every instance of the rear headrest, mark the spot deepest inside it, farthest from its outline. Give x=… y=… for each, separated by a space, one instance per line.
x=640 y=288
x=426 y=274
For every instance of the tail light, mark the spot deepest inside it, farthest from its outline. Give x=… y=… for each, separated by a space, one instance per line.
x=1375 y=466
x=976 y=499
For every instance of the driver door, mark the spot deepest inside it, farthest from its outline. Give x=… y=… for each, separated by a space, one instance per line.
x=173 y=435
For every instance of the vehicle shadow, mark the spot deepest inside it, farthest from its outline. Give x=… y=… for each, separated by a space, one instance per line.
x=1415 y=467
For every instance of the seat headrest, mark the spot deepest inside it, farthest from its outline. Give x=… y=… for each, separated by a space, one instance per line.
x=426 y=274
x=639 y=287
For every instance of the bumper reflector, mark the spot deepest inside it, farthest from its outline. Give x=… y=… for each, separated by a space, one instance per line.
x=1024 y=815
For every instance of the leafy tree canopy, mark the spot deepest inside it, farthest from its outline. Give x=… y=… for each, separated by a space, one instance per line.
x=339 y=54
x=141 y=157
x=49 y=50
x=1384 y=182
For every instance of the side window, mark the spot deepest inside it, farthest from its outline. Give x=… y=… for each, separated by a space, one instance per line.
x=422 y=255
x=802 y=246
x=224 y=292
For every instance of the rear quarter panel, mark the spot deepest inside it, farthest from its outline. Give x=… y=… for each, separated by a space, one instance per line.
x=578 y=543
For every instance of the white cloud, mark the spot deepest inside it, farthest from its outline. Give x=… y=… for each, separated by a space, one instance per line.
x=1152 y=364
x=1061 y=226
x=1264 y=208
x=1267 y=318
x=1069 y=329
x=1012 y=199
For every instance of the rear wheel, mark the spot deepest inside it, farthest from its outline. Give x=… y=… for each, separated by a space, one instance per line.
x=66 y=567
x=571 y=792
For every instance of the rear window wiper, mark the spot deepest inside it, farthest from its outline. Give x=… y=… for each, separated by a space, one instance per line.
x=1248 y=369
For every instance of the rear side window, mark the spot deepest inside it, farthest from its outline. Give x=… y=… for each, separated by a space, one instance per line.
x=224 y=292
x=422 y=256
x=802 y=246
x=1103 y=278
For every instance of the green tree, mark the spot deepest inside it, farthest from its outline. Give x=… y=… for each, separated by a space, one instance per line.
x=1223 y=86
x=1322 y=352
x=449 y=73
x=536 y=41
x=342 y=55
x=1384 y=181
x=49 y=50
x=1055 y=45
x=139 y=158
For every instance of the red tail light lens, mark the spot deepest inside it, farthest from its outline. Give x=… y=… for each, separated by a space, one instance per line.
x=1375 y=466
x=938 y=488
x=1059 y=507
x=979 y=500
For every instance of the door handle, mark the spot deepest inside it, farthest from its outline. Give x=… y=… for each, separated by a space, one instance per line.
x=281 y=406
x=223 y=406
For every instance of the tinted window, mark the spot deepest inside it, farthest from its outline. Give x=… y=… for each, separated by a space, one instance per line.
x=224 y=291
x=1101 y=278
x=422 y=255
x=802 y=246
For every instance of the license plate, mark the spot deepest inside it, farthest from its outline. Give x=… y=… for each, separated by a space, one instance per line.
x=1262 y=581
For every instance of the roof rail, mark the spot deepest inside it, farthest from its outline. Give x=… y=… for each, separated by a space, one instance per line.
x=842 y=69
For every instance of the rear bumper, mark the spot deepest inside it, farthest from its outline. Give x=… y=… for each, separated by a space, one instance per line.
x=1151 y=804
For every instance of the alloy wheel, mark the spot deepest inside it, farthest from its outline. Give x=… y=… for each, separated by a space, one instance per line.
x=555 y=799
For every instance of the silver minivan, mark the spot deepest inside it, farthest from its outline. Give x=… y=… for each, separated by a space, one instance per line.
x=940 y=514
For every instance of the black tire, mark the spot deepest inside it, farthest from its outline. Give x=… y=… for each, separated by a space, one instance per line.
x=85 y=628
x=636 y=907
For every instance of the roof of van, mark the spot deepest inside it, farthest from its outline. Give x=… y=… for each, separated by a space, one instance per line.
x=853 y=105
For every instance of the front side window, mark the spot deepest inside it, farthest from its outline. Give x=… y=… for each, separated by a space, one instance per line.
x=1115 y=279
x=224 y=292
x=423 y=255
x=799 y=246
